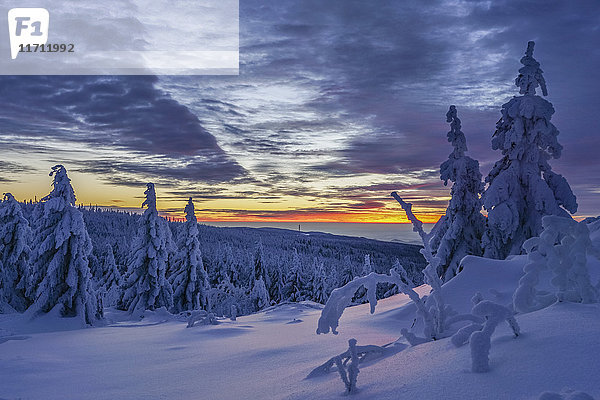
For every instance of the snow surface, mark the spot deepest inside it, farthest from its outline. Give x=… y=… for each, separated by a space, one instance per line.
x=269 y=354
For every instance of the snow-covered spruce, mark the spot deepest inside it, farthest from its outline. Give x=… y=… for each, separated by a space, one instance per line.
x=259 y=295
x=458 y=232
x=111 y=280
x=146 y=287
x=319 y=282
x=15 y=237
x=60 y=274
x=296 y=285
x=189 y=279
x=561 y=250
x=522 y=186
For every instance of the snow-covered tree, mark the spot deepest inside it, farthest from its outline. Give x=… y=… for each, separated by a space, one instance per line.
x=146 y=287
x=559 y=255
x=367 y=266
x=458 y=233
x=15 y=236
x=111 y=279
x=277 y=278
x=319 y=282
x=61 y=273
x=259 y=280
x=259 y=295
x=522 y=186
x=296 y=283
x=189 y=279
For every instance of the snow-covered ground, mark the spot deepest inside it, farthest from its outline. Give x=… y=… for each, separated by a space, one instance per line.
x=268 y=355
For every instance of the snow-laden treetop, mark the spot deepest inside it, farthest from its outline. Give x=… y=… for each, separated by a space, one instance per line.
x=150 y=201
x=455 y=136
x=8 y=197
x=530 y=76
x=61 y=186
x=190 y=215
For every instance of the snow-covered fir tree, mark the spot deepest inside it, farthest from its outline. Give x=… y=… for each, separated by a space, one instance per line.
x=367 y=266
x=258 y=280
x=146 y=287
x=522 y=186
x=15 y=236
x=277 y=278
x=61 y=273
x=189 y=279
x=458 y=232
x=111 y=279
x=296 y=283
x=319 y=282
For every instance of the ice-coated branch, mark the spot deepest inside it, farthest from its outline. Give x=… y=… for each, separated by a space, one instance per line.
x=341 y=298
x=440 y=312
x=417 y=224
x=363 y=353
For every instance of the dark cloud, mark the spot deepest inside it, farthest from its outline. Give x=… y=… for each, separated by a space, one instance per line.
x=124 y=113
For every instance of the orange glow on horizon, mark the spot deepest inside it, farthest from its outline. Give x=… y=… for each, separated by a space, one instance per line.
x=331 y=217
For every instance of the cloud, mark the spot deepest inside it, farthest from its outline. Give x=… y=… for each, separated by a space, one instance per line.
x=336 y=102
x=126 y=115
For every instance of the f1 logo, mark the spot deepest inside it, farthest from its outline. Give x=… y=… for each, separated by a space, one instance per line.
x=27 y=26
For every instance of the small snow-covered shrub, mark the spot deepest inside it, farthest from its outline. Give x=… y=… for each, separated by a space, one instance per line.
x=349 y=373
x=561 y=249
x=480 y=341
x=201 y=317
x=479 y=334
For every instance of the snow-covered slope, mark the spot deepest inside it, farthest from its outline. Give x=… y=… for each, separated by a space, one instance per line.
x=268 y=355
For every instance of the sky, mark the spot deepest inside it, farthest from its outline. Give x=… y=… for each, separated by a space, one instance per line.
x=337 y=104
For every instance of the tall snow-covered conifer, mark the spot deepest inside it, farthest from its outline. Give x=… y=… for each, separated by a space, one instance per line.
x=146 y=287
x=522 y=186
x=189 y=279
x=459 y=231
x=15 y=236
x=259 y=281
x=61 y=273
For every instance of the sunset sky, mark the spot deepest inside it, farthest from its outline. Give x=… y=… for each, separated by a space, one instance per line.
x=337 y=104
